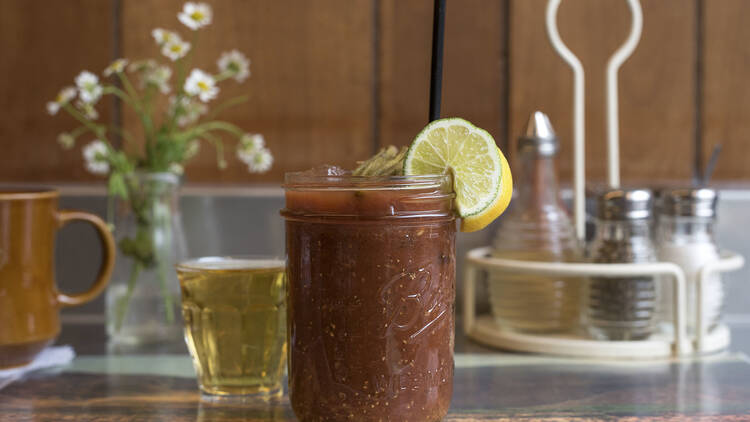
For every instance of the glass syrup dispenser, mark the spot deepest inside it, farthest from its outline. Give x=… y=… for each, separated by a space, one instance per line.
x=536 y=228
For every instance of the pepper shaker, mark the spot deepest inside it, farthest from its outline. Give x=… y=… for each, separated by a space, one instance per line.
x=622 y=308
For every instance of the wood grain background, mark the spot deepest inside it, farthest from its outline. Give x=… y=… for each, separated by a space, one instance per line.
x=333 y=80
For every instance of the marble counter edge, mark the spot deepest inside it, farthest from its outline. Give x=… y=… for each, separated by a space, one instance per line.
x=178 y=365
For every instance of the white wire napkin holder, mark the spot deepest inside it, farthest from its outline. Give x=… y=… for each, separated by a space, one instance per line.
x=484 y=329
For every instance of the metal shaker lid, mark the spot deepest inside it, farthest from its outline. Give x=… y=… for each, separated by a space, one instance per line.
x=625 y=204
x=689 y=202
x=539 y=136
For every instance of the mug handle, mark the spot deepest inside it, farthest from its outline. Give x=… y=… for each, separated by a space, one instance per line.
x=108 y=261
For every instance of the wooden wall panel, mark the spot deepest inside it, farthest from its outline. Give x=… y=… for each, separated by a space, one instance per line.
x=44 y=45
x=657 y=84
x=726 y=91
x=473 y=73
x=333 y=79
x=311 y=89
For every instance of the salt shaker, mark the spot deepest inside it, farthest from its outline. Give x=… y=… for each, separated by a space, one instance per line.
x=622 y=308
x=686 y=238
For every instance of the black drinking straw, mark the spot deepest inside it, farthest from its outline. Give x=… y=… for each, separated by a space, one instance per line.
x=436 y=68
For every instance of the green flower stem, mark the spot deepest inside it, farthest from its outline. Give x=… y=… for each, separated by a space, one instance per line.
x=188 y=58
x=128 y=99
x=97 y=130
x=148 y=124
x=111 y=210
x=151 y=141
x=182 y=65
x=215 y=125
x=162 y=217
x=122 y=303
x=219 y=146
x=223 y=76
x=132 y=92
x=180 y=82
x=111 y=89
x=168 y=302
x=129 y=86
x=225 y=105
x=80 y=130
x=178 y=109
x=205 y=129
x=148 y=96
x=122 y=132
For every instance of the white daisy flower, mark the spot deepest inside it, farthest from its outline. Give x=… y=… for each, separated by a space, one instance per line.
x=63 y=97
x=142 y=65
x=201 y=84
x=95 y=154
x=175 y=49
x=253 y=141
x=190 y=111
x=195 y=15
x=162 y=36
x=261 y=161
x=88 y=87
x=245 y=156
x=184 y=102
x=159 y=76
x=195 y=111
x=176 y=168
x=66 y=94
x=66 y=140
x=147 y=70
x=192 y=149
x=52 y=108
x=87 y=109
x=116 y=66
x=250 y=143
x=235 y=63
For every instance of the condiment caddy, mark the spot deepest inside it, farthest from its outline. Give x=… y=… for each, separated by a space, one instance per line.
x=627 y=272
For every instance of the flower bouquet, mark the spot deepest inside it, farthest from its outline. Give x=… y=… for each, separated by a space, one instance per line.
x=144 y=167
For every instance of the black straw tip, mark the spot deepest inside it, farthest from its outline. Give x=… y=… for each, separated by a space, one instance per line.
x=436 y=67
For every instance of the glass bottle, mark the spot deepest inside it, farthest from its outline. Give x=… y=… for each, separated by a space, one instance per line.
x=622 y=308
x=686 y=237
x=143 y=298
x=536 y=228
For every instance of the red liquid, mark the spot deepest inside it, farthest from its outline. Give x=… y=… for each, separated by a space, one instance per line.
x=370 y=304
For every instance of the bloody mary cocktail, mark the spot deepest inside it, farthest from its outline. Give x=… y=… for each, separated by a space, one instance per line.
x=371 y=272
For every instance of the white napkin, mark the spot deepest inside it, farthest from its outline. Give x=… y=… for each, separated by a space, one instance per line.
x=51 y=356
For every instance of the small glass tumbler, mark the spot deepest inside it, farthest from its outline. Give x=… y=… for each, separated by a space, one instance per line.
x=235 y=324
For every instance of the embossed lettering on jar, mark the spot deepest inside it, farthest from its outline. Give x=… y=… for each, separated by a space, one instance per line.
x=371 y=266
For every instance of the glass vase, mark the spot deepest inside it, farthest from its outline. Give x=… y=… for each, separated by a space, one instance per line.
x=143 y=299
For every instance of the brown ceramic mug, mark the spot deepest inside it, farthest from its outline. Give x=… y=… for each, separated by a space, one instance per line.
x=29 y=299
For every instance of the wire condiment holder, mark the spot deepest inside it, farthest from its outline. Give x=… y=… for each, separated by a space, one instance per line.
x=485 y=330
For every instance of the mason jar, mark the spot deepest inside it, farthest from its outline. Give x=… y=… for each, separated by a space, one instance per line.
x=371 y=273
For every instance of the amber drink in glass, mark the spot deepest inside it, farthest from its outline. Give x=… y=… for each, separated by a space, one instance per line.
x=371 y=272
x=235 y=324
